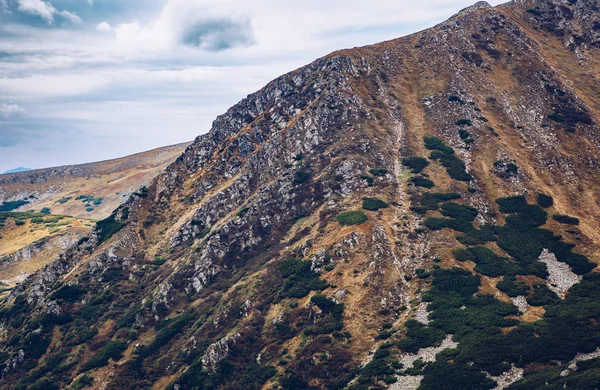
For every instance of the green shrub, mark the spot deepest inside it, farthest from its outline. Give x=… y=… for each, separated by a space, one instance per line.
x=300 y=279
x=431 y=200
x=453 y=98
x=530 y=216
x=512 y=204
x=129 y=318
x=369 y=179
x=454 y=280
x=545 y=201
x=416 y=164
x=352 y=218
x=434 y=143
x=45 y=210
x=505 y=168
x=106 y=228
x=378 y=171
x=421 y=181
x=19 y=222
x=465 y=136
x=513 y=287
x=69 y=293
x=454 y=166
x=85 y=198
x=328 y=306
x=454 y=376
x=301 y=177
x=64 y=200
x=375 y=369
x=112 y=350
x=158 y=261
x=420 y=336
x=459 y=211
x=373 y=204
x=521 y=238
x=542 y=296
x=422 y=273
x=435 y=223
x=464 y=122
x=10 y=206
x=487 y=262
x=566 y=219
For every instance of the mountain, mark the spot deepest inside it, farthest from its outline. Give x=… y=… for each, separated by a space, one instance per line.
x=419 y=213
x=16 y=170
x=90 y=190
x=67 y=200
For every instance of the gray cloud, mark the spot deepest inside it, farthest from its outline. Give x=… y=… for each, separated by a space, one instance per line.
x=219 y=34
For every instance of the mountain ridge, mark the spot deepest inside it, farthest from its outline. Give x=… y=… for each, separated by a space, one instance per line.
x=100 y=186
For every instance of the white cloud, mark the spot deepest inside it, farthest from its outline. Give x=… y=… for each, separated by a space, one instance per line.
x=72 y=16
x=11 y=110
x=189 y=23
x=90 y=2
x=104 y=27
x=43 y=9
x=38 y=7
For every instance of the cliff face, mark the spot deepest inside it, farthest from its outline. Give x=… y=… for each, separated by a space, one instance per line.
x=351 y=220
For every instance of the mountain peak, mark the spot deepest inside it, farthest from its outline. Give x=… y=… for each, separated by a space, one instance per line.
x=17 y=170
x=477 y=6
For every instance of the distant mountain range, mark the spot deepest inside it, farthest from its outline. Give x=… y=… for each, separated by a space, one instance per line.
x=17 y=170
x=91 y=190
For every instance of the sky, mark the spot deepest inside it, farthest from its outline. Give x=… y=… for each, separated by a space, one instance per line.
x=89 y=80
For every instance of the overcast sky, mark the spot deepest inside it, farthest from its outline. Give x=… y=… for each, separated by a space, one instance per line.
x=86 y=80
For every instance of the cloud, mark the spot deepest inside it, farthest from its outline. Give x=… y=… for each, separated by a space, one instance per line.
x=72 y=16
x=218 y=34
x=187 y=23
x=90 y=2
x=43 y=9
x=38 y=7
x=11 y=111
x=104 y=27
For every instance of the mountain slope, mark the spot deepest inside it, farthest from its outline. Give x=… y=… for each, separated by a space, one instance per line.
x=86 y=190
x=434 y=194
x=75 y=194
